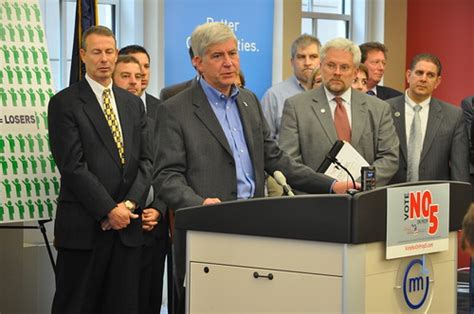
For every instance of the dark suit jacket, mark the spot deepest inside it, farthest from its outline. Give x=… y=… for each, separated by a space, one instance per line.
x=92 y=179
x=467 y=105
x=385 y=92
x=445 y=152
x=175 y=89
x=194 y=160
x=161 y=229
x=151 y=105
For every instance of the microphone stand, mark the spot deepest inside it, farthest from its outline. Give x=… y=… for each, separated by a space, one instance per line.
x=338 y=164
x=287 y=190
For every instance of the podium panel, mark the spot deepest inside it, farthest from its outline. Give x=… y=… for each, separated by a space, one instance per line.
x=287 y=291
x=324 y=253
x=307 y=276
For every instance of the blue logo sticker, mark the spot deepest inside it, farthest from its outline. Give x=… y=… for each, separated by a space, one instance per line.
x=415 y=282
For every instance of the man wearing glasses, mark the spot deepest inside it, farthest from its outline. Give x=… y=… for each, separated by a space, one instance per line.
x=314 y=120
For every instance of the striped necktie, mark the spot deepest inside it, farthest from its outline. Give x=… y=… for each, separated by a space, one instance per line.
x=113 y=124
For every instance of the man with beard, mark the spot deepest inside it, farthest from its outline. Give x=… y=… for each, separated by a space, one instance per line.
x=304 y=59
x=313 y=121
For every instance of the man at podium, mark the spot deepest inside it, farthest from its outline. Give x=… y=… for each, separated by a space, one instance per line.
x=213 y=142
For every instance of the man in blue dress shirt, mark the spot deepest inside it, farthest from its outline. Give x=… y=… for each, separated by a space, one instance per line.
x=213 y=143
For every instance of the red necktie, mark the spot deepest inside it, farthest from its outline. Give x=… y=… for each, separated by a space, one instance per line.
x=341 y=121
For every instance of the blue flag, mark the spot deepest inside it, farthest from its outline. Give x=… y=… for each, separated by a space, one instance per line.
x=86 y=16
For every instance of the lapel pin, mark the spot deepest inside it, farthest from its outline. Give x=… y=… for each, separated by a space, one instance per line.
x=245 y=104
x=397 y=114
x=323 y=110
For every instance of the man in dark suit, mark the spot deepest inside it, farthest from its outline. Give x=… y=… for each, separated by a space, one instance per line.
x=98 y=137
x=172 y=90
x=433 y=137
x=140 y=53
x=467 y=105
x=374 y=56
x=128 y=74
x=213 y=142
x=157 y=241
x=308 y=127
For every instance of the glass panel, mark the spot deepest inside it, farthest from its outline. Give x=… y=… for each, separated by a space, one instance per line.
x=328 y=6
x=68 y=74
x=307 y=26
x=348 y=6
x=56 y=70
x=330 y=29
x=107 y=16
x=305 y=6
x=50 y=14
x=70 y=20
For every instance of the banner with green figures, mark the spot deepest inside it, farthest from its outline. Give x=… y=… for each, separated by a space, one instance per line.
x=29 y=181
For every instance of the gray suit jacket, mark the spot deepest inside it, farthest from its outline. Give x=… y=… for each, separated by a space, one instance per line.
x=445 y=152
x=308 y=133
x=194 y=161
x=170 y=91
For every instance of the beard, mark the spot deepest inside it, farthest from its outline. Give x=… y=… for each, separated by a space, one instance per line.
x=336 y=86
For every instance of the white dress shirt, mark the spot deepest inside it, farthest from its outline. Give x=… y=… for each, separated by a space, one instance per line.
x=98 y=90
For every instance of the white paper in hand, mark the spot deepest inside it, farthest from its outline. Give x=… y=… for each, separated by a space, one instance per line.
x=350 y=158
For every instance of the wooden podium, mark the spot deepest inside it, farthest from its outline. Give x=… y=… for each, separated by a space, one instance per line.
x=308 y=254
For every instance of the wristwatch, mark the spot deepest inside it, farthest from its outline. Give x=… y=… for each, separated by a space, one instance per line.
x=130 y=205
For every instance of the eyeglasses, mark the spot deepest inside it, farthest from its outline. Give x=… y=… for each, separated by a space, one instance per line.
x=343 y=68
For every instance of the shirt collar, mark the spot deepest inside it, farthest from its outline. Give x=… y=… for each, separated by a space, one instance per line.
x=143 y=97
x=297 y=82
x=412 y=103
x=214 y=95
x=346 y=96
x=97 y=88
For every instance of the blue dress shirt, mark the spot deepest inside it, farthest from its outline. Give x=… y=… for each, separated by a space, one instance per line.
x=226 y=110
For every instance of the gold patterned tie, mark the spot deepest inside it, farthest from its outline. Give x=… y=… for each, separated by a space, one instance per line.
x=113 y=124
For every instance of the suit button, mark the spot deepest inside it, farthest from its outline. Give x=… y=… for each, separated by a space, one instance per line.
x=233 y=193
x=231 y=163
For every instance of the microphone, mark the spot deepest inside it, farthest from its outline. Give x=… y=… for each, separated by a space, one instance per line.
x=338 y=164
x=281 y=180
